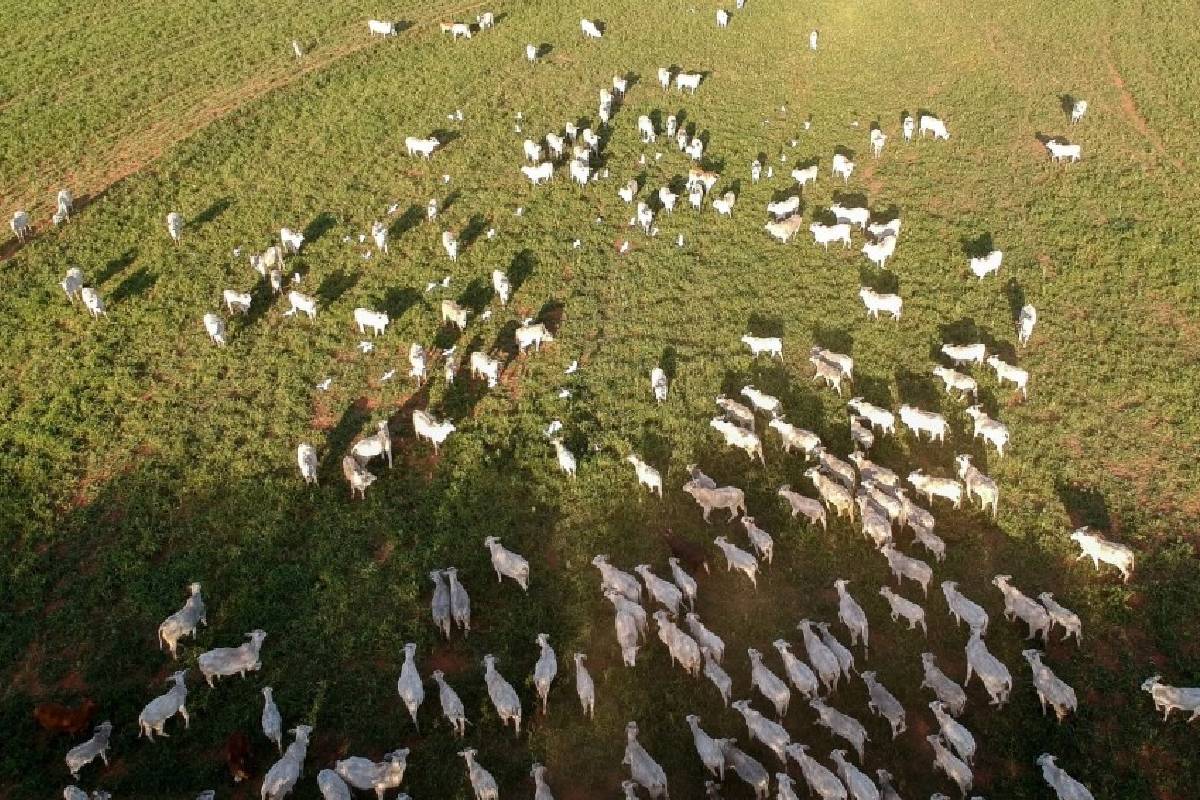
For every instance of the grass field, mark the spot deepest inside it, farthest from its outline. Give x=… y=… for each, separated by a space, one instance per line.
x=136 y=457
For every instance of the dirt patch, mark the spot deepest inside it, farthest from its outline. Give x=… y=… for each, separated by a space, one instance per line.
x=448 y=660
x=873 y=184
x=1129 y=107
x=384 y=552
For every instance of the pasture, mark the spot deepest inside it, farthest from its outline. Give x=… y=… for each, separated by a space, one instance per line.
x=136 y=457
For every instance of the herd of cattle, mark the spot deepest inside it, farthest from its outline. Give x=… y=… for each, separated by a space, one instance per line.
x=856 y=488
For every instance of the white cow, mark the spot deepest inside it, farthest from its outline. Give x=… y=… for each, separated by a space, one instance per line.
x=842 y=166
x=590 y=29
x=688 y=80
x=805 y=176
x=215 y=327
x=982 y=266
x=824 y=234
x=539 y=174
x=377 y=321
x=933 y=125
x=20 y=225
x=876 y=302
x=418 y=146
x=1061 y=151
x=379 y=28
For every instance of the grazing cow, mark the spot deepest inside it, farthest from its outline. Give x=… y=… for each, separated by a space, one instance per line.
x=842 y=166
x=646 y=129
x=1078 y=110
x=812 y=40
x=379 y=28
x=424 y=147
x=854 y=216
x=92 y=301
x=590 y=29
x=879 y=252
x=982 y=266
x=215 y=327
x=1061 y=151
x=664 y=78
x=301 y=303
x=539 y=174
x=688 y=80
x=456 y=29
x=722 y=18
x=878 y=139
x=824 y=234
x=876 y=302
x=909 y=127
x=64 y=205
x=785 y=229
x=175 y=226
x=72 y=284
x=454 y=313
x=933 y=125
x=805 y=176
x=377 y=321
x=531 y=53
x=532 y=335
x=784 y=208
x=486 y=20
x=236 y=302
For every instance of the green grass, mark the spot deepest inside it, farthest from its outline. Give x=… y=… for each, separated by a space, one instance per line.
x=137 y=457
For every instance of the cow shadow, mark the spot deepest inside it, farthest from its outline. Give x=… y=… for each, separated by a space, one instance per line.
x=1015 y=294
x=396 y=301
x=850 y=199
x=966 y=331
x=544 y=49
x=918 y=389
x=139 y=282
x=474 y=229
x=1067 y=103
x=445 y=136
x=1045 y=138
x=476 y=296
x=216 y=209
x=873 y=389
x=903 y=115
x=505 y=340
x=320 y=225
x=839 y=340
x=763 y=325
x=842 y=150
x=336 y=284
x=115 y=265
x=883 y=281
x=520 y=268
x=461 y=396
x=551 y=315
x=886 y=213
x=977 y=247
x=669 y=362
x=410 y=219
x=341 y=435
x=1085 y=505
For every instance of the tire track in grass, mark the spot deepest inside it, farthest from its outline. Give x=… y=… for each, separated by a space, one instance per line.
x=134 y=152
x=1129 y=107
